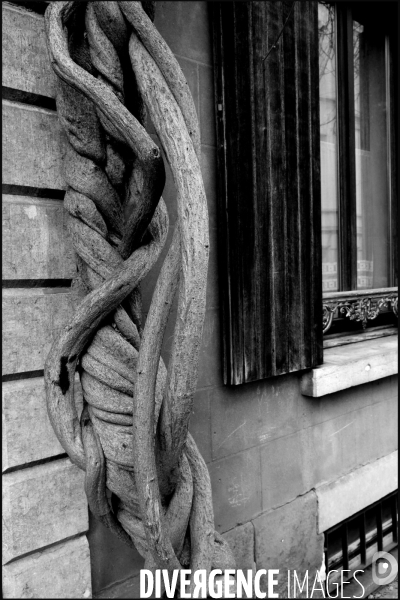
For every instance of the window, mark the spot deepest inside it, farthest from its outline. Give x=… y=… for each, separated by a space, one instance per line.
x=276 y=251
x=350 y=545
x=358 y=175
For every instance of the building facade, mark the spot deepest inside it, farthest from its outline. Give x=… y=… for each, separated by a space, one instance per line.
x=292 y=455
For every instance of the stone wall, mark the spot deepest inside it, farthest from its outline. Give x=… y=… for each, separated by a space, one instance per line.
x=45 y=517
x=268 y=448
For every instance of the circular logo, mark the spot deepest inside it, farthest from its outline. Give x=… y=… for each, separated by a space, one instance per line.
x=384 y=568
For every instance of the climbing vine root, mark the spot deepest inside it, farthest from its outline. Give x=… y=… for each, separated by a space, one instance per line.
x=113 y=69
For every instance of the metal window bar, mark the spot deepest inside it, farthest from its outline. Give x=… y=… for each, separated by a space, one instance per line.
x=345 y=546
x=363 y=540
x=326 y=545
x=379 y=527
x=395 y=519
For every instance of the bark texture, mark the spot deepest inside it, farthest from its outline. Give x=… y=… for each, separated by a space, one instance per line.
x=113 y=68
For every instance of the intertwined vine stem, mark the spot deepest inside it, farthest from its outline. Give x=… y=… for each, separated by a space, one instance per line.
x=132 y=438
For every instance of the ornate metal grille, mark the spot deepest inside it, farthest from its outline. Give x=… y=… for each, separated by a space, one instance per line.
x=358 y=306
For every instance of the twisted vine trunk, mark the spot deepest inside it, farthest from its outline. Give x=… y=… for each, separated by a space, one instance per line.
x=113 y=67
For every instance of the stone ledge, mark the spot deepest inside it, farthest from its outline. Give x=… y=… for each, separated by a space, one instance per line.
x=286 y=538
x=355 y=491
x=62 y=571
x=42 y=505
x=241 y=542
x=350 y=365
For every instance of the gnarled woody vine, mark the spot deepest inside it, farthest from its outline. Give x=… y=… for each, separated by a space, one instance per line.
x=113 y=66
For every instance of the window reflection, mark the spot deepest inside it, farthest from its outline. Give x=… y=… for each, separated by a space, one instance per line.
x=368 y=64
x=329 y=197
x=372 y=197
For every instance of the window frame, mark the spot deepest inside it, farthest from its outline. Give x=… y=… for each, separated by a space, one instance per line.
x=359 y=305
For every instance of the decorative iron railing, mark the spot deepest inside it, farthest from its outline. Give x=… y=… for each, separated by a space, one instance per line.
x=362 y=306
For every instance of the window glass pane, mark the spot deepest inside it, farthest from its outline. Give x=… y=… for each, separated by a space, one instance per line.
x=387 y=521
x=372 y=192
x=354 y=543
x=329 y=202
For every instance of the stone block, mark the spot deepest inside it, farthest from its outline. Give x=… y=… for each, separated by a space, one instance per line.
x=26 y=65
x=111 y=560
x=376 y=434
x=253 y=414
x=31 y=320
x=185 y=28
x=31 y=147
x=126 y=589
x=35 y=239
x=331 y=447
x=27 y=433
x=317 y=410
x=207 y=106
x=284 y=470
x=210 y=359
x=62 y=571
x=287 y=539
x=236 y=489
x=241 y=542
x=42 y=505
x=337 y=446
x=200 y=423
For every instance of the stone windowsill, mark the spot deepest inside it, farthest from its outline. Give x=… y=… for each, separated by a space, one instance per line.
x=340 y=499
x=350 y=365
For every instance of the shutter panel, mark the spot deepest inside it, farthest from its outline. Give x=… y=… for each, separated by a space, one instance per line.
x=267 y=116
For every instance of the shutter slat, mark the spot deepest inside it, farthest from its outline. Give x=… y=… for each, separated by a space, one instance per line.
x=268 y=162
x=297 y=134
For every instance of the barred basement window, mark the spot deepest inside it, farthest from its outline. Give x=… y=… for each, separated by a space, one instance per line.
x=350 y=545
x=357 y=56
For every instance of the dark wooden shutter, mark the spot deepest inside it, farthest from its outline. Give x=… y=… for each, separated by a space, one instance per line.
x=267 y=115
